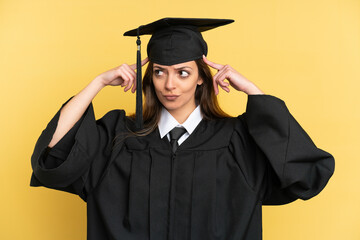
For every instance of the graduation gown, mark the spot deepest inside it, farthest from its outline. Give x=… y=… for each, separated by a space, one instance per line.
x=213 y=187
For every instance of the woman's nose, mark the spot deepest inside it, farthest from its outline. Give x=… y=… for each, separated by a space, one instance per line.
x=170 y=82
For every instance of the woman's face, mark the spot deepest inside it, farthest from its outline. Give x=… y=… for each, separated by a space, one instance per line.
x=175 y=86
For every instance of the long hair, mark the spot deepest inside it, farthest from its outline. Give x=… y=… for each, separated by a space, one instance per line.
x=204 y=96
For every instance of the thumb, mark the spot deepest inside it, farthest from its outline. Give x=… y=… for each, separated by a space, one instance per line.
x=143 y=62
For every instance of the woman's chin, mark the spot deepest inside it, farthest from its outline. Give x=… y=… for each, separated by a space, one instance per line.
x=170 y=106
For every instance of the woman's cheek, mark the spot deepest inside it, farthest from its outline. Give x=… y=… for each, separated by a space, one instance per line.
x=157 y=86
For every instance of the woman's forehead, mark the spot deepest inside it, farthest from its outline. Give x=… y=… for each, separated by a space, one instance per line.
x=190 y=64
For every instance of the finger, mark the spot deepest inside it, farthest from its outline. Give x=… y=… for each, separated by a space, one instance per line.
x=128 y=86
x=145 y=60
x=133 y=66
x=216 y=88
x=124 y=83
x=223 y=75
x=128 y=74
x=225 y=70
x=221 y=80
x=226 y=89
x=212 y=64
x=129 y=70
x=133 y=73
x=222 y=83
x=220 y=77
x=123 y=76
x=216 y=76
x=134 y=87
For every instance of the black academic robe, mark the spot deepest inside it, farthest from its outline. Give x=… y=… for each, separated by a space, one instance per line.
x=213 y=187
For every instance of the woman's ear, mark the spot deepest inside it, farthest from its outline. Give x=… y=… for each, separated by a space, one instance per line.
x=200 y=81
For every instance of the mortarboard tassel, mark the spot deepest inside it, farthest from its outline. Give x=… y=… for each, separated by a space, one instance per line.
x=139 y=114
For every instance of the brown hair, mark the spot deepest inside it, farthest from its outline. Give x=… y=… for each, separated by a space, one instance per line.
x=204 y=96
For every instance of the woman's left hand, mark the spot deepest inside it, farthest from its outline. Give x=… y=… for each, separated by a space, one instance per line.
x=236 y=80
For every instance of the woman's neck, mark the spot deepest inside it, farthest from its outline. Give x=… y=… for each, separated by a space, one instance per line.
x=183 y=113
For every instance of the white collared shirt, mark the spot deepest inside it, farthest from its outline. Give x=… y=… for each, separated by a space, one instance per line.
x=168 y=122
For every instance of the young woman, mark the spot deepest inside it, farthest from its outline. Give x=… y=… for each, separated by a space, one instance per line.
x=192 y=172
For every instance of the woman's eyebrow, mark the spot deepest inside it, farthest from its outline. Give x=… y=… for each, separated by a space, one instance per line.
x=158 y=67
x=182 y=67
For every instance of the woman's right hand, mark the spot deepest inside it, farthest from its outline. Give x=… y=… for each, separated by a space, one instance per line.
x=123 y=75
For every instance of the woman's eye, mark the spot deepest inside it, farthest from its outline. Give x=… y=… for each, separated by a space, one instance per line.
x=158 y=72
x=184 y=73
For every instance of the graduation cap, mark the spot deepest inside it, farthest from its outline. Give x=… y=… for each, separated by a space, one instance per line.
x=173 y=41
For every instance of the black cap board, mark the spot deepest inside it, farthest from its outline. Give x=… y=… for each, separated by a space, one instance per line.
x=173 y=41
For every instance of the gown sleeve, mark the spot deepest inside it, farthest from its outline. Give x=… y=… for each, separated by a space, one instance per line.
x=293 y=167
x=78 y=161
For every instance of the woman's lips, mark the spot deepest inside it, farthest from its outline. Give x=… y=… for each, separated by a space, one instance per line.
x=171 y=97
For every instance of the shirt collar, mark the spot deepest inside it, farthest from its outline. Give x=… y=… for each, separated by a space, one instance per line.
x=168 y=122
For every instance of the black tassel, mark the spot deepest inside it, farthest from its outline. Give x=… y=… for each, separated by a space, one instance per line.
x=139 y=112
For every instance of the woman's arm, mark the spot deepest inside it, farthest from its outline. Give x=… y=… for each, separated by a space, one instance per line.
x=123 y=75
x=292 y=165
x=75 y=108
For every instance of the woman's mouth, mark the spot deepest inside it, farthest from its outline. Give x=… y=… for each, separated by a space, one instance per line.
x=171 y=97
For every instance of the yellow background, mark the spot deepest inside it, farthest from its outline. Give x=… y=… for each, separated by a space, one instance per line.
x=305 y=52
